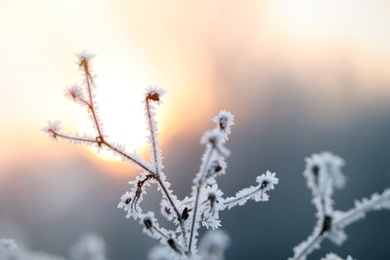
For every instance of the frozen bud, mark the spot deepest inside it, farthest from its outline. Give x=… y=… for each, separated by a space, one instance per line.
x=84 y=58
x=323 y=173
x=215 y=168
x=215 y=139
x=224 y=121
x=52 y=129
x=267 y=181
x=214 y=196
x=173 y=245
x=148 y=222
x=154 y=94
x=184 y=214
x=74 y=92
x=166 y=210
x=125 y=200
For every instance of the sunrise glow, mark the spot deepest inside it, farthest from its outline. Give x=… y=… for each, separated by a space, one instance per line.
x=190 y=53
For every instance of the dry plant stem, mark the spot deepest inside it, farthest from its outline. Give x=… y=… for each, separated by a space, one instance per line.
x=88 y=77
x=55 y=135
x=100 y=143
x=157 y=174
x=178 y=215
x=310 y=245
x=198 y=188
x=318 y=237
x=363 y=209
x=152 y=136
x=240 y=198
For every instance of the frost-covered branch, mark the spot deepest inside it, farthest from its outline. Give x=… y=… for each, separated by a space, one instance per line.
x=265 y=182
x=323 y=174
x=205 y=202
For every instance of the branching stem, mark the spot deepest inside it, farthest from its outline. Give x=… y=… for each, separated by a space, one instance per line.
x=198 y=190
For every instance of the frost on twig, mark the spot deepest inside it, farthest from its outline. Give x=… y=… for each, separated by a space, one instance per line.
x=206 y=200
x=323 y=175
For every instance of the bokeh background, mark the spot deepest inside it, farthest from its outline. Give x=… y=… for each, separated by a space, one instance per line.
x=299 y=76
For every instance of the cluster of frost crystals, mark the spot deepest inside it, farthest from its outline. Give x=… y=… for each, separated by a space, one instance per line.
x=323 y=174
x=206 y=200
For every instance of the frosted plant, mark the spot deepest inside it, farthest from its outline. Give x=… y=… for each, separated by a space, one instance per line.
x=213 y=245
x=332 y=256
x=206 y=200
x=323 y=174
x=7 y=244
x=89 y=247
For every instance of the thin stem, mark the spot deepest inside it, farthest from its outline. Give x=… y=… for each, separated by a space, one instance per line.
x=310 y=245
x=176 y=247
x=198 y=189
x=364 y=209
x=129 y=157
x=226 y=204
x=179 y=218
x=108 y=145
x=157 y=174
x=152 y=132
x=89 y=78
x=55 y=134
x=85 y=102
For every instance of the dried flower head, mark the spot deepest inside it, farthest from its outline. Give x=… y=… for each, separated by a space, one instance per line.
x=75 y=93
x=154 y=94
x=224 y=121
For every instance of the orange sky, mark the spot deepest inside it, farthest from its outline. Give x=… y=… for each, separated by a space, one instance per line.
x=169 y=44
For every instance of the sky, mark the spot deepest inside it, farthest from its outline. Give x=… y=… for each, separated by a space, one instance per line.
x=299 y=76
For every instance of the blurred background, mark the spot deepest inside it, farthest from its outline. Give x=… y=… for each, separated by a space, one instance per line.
x=300 y=77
